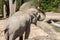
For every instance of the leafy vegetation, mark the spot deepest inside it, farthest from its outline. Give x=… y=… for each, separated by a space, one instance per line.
x=49 y=5
x=0 y=6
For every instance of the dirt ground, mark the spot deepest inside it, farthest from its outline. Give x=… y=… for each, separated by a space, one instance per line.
x=34 y=31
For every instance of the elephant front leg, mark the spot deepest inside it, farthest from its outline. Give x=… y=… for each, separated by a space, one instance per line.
x=11 y=37
x=27 y=32
x=21 y=37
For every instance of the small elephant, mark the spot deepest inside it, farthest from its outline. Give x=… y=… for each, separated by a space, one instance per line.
x=19 y=23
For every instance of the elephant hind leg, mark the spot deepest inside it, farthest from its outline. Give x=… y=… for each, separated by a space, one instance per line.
x=7 y=35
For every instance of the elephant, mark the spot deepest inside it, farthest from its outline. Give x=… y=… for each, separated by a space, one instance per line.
x=16 y=25
x=20 y=22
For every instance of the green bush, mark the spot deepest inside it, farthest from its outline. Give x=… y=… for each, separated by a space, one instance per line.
x=0 y=6
x=49 y=5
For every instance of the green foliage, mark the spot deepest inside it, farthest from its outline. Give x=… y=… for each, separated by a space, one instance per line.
x=0 y=6
x=49 y=5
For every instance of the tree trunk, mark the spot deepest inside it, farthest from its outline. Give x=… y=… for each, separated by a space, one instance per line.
x=38 y=7
x=4 y=8
x=13 y=6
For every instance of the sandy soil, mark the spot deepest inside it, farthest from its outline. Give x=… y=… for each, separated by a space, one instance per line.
x=34 y=31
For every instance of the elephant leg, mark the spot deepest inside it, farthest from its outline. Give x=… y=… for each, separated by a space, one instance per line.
x=21 y=37
x=6 y=36
x=27 y=32
x=11 y=37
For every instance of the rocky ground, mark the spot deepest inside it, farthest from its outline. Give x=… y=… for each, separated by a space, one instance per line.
x=34 y=31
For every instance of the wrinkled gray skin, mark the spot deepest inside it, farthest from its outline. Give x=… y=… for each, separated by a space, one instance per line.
x=18 y=23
